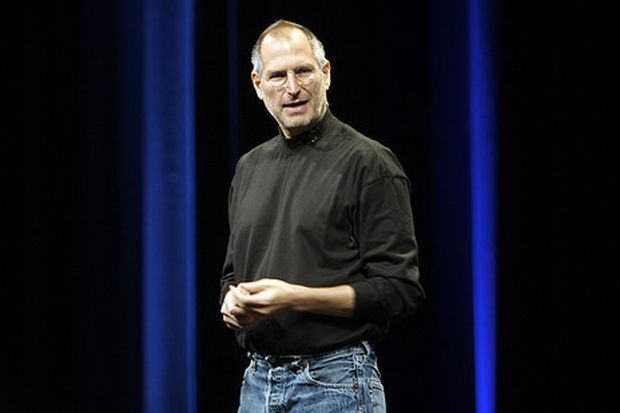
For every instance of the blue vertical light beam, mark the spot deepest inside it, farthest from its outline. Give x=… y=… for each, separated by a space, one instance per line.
x=189 y=203
x=169 y=321
x=483 y=196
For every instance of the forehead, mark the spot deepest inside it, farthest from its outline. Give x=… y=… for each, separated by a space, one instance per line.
x=290 y=48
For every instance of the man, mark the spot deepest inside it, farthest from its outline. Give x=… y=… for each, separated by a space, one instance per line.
x=322 y=252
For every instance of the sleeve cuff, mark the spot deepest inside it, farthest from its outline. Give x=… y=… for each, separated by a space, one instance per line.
x=224 y=290
x=367 y=302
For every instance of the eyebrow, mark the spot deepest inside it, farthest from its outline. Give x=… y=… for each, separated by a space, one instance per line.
x=296 y=69
x=275 y=72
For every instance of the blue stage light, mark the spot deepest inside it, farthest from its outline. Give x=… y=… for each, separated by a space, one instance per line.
x=169 y=264
x=483 y=199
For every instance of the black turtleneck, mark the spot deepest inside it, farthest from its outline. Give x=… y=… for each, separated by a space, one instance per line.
x=324 y=208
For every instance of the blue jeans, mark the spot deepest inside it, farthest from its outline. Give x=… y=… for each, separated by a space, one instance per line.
x=340 y=381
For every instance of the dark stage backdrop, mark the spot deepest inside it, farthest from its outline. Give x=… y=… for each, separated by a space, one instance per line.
x=79 y=271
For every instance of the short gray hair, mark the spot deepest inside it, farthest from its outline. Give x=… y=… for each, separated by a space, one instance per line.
x=279 y=26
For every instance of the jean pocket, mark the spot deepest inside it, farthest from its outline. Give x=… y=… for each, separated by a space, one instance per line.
x=340 y=371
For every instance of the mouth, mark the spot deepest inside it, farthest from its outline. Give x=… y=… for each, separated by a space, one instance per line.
x=295 y=105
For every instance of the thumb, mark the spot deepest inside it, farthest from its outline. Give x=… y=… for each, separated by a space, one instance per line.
x=254 y=286
x=239 y=290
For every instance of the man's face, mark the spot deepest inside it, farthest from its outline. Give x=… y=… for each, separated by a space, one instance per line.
x=292 y=85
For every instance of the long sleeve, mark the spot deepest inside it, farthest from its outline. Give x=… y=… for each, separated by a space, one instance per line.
x=388 y=251
x=228 y=273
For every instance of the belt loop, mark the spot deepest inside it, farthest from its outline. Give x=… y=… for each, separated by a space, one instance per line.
x=367 y=348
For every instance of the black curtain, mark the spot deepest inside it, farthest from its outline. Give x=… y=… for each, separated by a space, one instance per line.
x=72 y=270
x=557 y=324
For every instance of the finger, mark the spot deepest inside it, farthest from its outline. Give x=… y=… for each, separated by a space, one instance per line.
x=233 y=326
x=260 y=307
x=232 y=323
x=249 y=303
x=233 y=294
x=239 y=311
x=232 y=298
x=226 y=307
x=255 y=286
x=258 y=299
x=241 y=290
x=243 y=321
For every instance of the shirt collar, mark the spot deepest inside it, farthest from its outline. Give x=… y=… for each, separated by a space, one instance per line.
x=311 y=136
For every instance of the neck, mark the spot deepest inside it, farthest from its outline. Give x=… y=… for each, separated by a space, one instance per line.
x=291 y=133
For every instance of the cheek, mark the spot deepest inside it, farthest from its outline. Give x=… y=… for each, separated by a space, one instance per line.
x=270 y=99
x=319 y=94
x=272 y=106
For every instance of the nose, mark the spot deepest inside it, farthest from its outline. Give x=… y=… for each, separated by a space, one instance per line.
x=292 y=86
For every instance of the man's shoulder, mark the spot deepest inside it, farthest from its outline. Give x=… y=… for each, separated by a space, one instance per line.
x=366 y=146
x=366 y=157
x=358 y=140
x=369 y=151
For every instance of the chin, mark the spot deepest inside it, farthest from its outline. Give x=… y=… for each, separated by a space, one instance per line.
x=297 y=123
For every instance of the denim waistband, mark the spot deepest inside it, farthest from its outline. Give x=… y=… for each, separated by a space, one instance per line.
x=363 y=347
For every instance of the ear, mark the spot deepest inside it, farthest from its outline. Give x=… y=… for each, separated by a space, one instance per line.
x=327 y=74
x=256 y=82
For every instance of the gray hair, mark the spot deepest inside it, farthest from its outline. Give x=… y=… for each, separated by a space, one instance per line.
x=279 y=26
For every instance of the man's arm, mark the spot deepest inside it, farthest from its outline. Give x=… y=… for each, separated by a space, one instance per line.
x=390 y=287
x=268 y=295
x=244 y=305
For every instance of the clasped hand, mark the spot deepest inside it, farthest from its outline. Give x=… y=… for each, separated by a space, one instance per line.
x=245 y=304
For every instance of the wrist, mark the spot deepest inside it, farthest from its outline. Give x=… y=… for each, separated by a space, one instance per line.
x=337 y=301
x=302 y=298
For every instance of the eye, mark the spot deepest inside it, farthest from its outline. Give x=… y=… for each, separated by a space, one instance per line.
x=277 y=76
x=304 y=72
